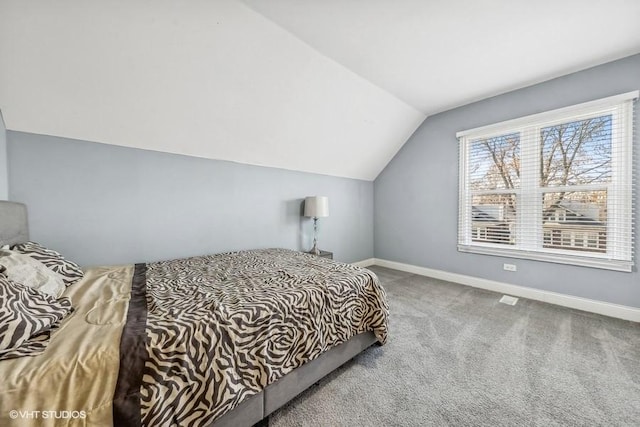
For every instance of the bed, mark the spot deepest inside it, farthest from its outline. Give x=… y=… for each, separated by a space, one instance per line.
x=216 y=340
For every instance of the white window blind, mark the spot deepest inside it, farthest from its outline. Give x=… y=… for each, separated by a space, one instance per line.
x=555 y=186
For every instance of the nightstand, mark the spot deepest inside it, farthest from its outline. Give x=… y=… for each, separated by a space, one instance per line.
x=323 y=254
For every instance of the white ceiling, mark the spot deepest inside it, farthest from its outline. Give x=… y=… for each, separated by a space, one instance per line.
x=330 y=87
x=439 y=54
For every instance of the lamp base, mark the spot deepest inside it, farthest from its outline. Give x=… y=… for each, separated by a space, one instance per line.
x=314 y=250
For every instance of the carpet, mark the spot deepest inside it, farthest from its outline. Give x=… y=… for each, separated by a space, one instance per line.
x=456 y=356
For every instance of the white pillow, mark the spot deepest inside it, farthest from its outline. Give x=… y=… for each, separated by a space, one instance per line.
x=30 y=272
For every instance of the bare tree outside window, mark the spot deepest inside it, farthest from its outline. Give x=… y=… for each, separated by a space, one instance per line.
x=576 y=153
x=496 y=162
x=495 y=166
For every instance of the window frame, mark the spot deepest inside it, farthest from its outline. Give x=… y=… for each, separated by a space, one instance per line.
x=530 y=192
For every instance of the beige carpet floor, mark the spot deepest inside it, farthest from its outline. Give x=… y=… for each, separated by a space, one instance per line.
x=458 y=357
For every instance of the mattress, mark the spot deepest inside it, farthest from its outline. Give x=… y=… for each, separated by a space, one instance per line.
x=186 y=341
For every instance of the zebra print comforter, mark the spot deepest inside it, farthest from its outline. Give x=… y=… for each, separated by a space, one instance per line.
x=205 y=333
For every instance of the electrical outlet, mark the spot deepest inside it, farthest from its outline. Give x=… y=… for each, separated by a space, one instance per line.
x=510 y=267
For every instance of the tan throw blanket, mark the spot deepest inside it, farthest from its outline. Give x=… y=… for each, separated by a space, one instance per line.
x=73 y=381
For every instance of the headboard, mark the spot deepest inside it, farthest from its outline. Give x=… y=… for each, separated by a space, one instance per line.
x=14 y=227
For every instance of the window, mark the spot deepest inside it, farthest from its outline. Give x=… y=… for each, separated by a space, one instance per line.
x=554 y=186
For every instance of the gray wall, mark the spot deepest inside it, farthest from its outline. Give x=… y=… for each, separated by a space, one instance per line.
x=416 y=196
x=102 y=204
x=4 y=178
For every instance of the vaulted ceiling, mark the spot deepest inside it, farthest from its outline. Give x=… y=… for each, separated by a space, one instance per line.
x=330 y=87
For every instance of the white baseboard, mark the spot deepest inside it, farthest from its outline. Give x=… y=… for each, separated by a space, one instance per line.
x=365 y=262
x=593 y=306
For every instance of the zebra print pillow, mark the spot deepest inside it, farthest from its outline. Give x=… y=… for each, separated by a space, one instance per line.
x=31 y=347
x=70 y=271
x=27 y=318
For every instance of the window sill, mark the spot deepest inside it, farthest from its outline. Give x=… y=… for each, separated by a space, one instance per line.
x=593 y=262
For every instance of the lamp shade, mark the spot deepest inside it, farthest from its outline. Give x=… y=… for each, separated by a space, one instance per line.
x=316 y=206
